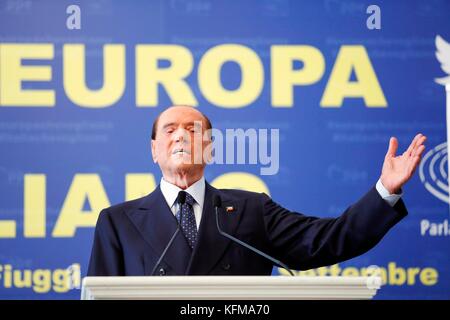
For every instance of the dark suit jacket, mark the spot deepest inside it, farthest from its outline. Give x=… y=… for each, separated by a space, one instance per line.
x=130 y=237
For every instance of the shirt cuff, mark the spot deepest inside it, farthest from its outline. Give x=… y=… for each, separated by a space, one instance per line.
x=391 y=199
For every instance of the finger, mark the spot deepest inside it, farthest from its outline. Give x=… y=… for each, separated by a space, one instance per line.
x=412 y=145
x=393 y=145
x=419 y=144
x=419 y=150
x=415 y=163
x=415 y=160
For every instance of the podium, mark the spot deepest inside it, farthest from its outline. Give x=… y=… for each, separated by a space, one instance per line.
x=229 y=288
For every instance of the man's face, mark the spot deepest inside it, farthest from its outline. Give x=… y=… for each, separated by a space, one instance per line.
x=179 y=145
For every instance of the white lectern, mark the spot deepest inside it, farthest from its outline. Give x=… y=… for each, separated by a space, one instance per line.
x=229 y=288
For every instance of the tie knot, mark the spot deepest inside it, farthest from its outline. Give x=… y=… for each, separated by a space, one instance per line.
x=189 y=199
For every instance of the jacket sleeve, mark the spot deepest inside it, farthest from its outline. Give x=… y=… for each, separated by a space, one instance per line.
x=305 y=242
x=106 y=256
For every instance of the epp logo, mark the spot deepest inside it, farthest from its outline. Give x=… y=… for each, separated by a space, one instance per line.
x=434 y=167
x=433 y=173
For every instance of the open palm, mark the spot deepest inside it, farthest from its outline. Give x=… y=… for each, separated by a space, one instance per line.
x=397 y=170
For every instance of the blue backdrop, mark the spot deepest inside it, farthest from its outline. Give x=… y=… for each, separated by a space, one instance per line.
x=62 y=159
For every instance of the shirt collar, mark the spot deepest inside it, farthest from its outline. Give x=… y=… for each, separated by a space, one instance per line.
x=196 y=190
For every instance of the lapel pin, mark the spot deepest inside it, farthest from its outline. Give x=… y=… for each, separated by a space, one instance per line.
x=229 y=209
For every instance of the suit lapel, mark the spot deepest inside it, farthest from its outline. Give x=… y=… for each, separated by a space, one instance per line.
x=156 y=224
x=210 y=244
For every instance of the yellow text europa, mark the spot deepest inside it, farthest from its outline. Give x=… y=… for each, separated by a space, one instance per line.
x=177 y=78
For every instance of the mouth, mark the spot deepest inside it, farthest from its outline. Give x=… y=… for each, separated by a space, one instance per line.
x=181 y=151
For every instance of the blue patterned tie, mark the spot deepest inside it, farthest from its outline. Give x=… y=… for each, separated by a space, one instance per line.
x=188 y=224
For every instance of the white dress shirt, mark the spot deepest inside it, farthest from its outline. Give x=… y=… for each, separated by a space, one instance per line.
x=389 y=198
x=197 y=191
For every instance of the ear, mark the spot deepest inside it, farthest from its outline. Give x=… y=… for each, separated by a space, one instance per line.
x=153 y=146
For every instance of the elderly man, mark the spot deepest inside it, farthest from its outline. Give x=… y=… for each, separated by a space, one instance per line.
x=131 y=237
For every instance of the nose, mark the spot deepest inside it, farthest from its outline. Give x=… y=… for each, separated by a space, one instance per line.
x=180 y=135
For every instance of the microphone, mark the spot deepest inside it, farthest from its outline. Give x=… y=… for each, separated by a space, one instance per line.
x=181 y=199
x=217 y=203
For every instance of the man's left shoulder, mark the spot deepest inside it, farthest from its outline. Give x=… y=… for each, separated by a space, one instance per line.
x=238 y=194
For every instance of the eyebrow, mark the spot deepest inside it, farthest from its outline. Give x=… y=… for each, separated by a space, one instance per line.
x=170 y=124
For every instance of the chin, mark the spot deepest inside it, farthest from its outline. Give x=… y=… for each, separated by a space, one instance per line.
x=184 y=159
x=182 y=165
